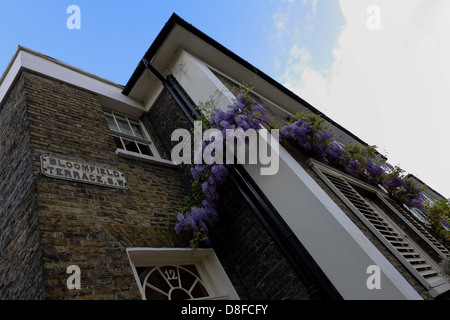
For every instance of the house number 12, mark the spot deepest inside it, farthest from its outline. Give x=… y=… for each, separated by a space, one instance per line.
x=170 y=275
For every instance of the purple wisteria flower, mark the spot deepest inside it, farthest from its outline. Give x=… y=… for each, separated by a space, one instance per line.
x=244 y=114
x=395 y=182
x=317 y=141
x=415 y=202
x=373 y=169
x=352 y=167
x=444 y=221
x=198 y=171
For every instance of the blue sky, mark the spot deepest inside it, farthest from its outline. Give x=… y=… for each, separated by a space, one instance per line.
x=114 y=35
x=389 y=85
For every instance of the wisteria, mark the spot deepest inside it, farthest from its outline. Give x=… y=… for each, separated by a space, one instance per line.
x=444 y=221
x=201 y=213
x=314 y=139
x=438 y=214
x=402 y=188
x=308 y=131
x=352 y=167
x=310 y=134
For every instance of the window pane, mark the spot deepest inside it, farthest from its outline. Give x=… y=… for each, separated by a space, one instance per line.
x=127 y=127
x=124 y=126
x=137 y=130
x=118 y=142
x=151 y=294
x=145 y=149
x=192 y=268
x=179 y=294
x=111 y=123
x=187 y=279
x=157 y=280
x=199 y=291
x=130 y=145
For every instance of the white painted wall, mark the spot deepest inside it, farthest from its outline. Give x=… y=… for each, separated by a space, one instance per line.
x=199 y=81
x=332 y=239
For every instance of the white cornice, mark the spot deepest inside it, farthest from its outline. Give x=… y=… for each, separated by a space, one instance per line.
x=109 y=93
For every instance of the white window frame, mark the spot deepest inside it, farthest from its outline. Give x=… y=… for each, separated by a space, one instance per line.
x=146 y=140
x=418 y=214
x=208 y=265
x=155 y=159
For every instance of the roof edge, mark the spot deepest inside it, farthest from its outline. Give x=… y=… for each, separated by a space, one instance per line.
x=412 y=176
x=11 y=62
x=177 y=20
x=56 y=61
x=174 y=19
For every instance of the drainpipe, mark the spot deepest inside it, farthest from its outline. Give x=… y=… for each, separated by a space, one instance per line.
x=318 y=287
x=178 y=98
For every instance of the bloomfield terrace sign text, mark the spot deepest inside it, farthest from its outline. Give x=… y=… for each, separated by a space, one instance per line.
x=58 y=168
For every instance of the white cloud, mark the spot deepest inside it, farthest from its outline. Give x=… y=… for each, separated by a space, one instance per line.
x=391 y=87
x=313 y=4
x=293 y=23
x=293 y=20
x=298 y=54
x=280 y=20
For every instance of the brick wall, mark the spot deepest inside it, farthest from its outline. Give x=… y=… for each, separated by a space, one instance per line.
x=48 y=224
x=254 y=261
x=91 y=226
x=21 y=267
x=87 y=225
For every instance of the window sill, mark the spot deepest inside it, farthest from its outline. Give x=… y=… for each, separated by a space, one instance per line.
x=142 y=157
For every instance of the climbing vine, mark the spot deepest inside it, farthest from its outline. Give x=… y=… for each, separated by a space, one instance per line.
x=200 y=211
x=311 y=134
x=438 y=215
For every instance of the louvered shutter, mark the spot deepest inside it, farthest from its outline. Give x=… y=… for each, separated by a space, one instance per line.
x=416 y=226
x=385 y=231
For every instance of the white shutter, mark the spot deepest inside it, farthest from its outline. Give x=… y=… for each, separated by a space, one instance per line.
x=381 y=226
x=416 y=226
